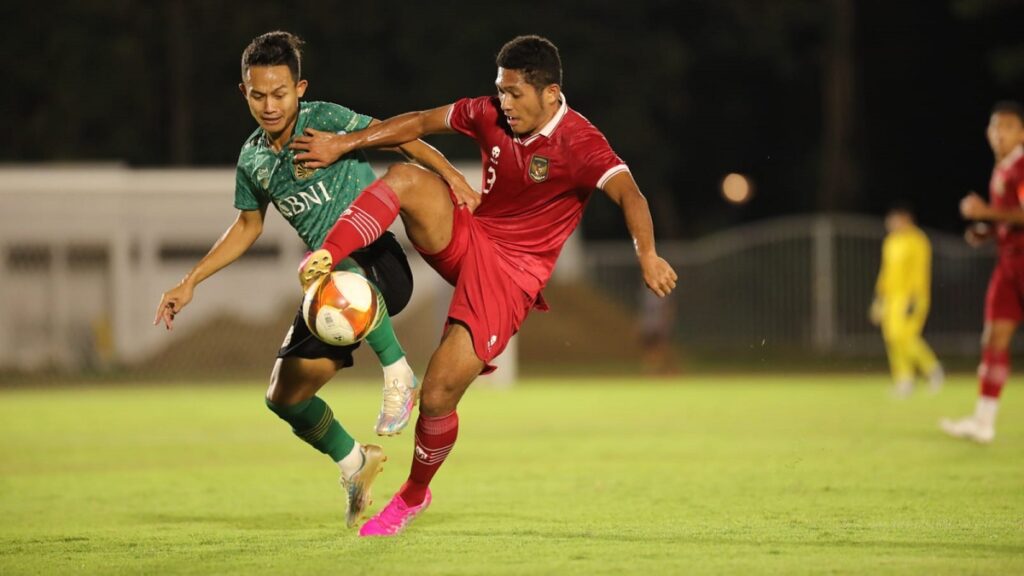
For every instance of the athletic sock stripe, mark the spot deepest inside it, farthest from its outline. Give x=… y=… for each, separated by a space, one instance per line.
x=360 y=211
x=325 y=423
x=317 y=432
x=435 y=458
x=368 y=228
x=432 y=455
x=366 y=219
x=374 y=225
x=995 y=372
x=359 y=227
x=998 y=373
x=365 y=228
x=364 y=224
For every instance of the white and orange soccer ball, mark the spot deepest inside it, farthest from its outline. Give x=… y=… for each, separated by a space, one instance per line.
x=341 y=308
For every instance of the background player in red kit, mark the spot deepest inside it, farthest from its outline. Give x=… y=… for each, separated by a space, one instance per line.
x=1004 y=301
x=541 y=162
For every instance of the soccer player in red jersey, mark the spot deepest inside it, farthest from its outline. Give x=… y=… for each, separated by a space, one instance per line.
x=1004 y=301
x=541 y=162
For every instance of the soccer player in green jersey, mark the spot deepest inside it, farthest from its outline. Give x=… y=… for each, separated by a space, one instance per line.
x=312 y=200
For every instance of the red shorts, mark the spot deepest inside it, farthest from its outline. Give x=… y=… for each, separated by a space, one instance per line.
x=486 y=300
x=1005 y=297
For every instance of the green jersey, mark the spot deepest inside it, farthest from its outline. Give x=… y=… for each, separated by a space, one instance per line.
x=311 y=200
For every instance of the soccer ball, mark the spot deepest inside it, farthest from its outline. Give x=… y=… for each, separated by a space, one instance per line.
x=341 y=308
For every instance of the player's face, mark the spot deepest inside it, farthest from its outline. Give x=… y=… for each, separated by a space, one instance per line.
x=896 y=221
x=526 y=108
x=1005 y=132
x=273 y=98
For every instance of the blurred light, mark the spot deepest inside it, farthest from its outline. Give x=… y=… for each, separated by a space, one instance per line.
x=736 y=188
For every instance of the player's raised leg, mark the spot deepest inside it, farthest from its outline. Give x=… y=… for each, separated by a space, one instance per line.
x=992 y=375
x=292 y=396
x=422 y=198
x=428 y=211
x=425 y=204
x=426 y=207
x=452 y=368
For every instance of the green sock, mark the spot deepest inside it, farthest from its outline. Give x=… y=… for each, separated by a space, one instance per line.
x=313 y=421
x=383 y=339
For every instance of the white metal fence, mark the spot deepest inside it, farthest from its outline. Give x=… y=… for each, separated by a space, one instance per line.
x=86 y=252
x=800 y=283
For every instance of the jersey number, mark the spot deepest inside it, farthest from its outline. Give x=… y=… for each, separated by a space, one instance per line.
x=491 y=177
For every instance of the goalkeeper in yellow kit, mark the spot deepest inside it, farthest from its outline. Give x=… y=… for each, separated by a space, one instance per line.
x=902 y=298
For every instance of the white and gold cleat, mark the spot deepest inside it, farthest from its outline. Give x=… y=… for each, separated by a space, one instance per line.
x=316 y=265
x=357 y=486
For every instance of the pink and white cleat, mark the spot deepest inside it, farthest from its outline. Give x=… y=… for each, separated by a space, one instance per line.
x=394 y=517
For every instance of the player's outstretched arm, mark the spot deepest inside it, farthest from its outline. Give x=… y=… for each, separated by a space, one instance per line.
x=658 y=274
x=973 y=207
x=318 y=149
x=232 y=244
x=429 y=157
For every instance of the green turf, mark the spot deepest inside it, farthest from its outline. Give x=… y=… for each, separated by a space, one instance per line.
x=702 y=475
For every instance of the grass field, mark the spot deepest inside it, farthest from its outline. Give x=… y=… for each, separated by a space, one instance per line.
x=737 y=475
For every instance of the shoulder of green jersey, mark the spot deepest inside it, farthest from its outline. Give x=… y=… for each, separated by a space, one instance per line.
x=254 y=140
x=331 y=108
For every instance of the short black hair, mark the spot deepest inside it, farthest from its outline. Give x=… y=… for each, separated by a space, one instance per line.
x=274 y=49
x=536 y=57
x=1009 y=107
x=902 y=206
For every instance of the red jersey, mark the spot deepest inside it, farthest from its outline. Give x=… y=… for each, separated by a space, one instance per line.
x=534 y=189
x=1006 y=192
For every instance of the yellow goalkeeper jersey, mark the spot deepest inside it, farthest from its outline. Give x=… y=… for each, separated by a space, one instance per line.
x=906 y=272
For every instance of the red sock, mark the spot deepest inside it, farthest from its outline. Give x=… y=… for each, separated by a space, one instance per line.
x=363 y=221
x=993 y=372
x=435 y=438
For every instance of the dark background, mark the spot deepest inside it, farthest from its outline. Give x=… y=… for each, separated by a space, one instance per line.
x=827 y=105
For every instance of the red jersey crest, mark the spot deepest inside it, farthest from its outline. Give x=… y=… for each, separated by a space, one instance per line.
x=535 y=188
x=538 y=168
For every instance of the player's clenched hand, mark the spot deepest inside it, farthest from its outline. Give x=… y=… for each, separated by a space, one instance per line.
x=876 y=312
x=658 y=275
x=464 y=193
x=319 y=149
x=171 y=304
x=977 y=234
x=972 y=207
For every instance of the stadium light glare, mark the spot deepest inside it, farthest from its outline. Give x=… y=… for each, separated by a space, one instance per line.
x=736 y=188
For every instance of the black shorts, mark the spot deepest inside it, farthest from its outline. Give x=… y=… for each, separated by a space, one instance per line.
x=387 y=267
